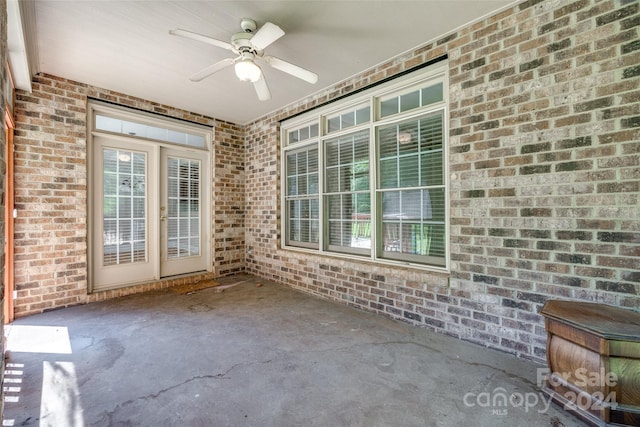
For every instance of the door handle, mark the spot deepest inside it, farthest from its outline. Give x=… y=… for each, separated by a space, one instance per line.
x=163 y=218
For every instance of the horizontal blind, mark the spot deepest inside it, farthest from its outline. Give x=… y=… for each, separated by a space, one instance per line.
x=383 y=189
x=347 y=196
x=124 y=207
x=302 y=205
x=411 y=188
x=183 y=204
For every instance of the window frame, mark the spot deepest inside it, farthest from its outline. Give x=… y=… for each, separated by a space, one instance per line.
x=380 y=190
x=148 y=120
x=327 y=193
x=303 y=146
x=372 y=98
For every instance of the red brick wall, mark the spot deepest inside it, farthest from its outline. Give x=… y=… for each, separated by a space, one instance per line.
x=51 y=194
x=544 y=178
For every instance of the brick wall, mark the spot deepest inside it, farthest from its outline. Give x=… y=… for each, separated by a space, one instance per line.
x=51 y=194
x=229 y=200
x=544 y=178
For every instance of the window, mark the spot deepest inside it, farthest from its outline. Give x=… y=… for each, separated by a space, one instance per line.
x=302 y=197
x=124 y=208
x=410 y=100
x=366 y=177
x=150 y=208
x=142 y=130
x=348 y=119
x=347 y=196
x=411 y=189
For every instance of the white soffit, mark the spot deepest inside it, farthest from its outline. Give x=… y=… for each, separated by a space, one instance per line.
x=22 y=52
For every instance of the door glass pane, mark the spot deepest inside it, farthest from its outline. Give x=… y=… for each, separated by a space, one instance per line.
x=177 y=137
x=195 y=140
x=133 y=129
x=108 y=124
x=124 y=207
x=142 y=130
x=183 y=208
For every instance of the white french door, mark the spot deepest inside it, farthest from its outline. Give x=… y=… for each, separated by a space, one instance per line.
x=150 y=212
x=182 y=231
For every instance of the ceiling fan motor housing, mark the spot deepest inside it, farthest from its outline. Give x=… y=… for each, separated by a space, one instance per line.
x=248 y=25
x=242 y=42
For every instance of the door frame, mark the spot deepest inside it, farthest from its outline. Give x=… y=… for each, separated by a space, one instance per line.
x=9 y=200
x=171 y=267
x=9 y=222
x=139 y=272
x=117 y=112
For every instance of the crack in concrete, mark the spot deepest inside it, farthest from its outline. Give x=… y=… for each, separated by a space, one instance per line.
x=446 y=355
x=450 y=357
x=220 y=376
x=225 y=374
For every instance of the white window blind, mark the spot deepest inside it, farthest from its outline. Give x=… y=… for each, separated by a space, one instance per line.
x=183 y=205
x=124 y=201
x=411 y=188
x=303 y=211
x=347 y=196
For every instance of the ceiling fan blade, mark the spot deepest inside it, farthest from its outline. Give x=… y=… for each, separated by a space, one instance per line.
x=262 y=89
x=211 y=69
x=289 y=68
x=201 y=38
x=266 y=35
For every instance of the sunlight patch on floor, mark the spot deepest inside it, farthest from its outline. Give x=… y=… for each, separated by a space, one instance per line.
x=38 y=339
x=60 y=399
x=60 y=404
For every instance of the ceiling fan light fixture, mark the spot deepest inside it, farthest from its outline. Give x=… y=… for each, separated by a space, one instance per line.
x=249 y=45
x=247 y=71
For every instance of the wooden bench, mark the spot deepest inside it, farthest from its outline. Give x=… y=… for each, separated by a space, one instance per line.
x=593 y=354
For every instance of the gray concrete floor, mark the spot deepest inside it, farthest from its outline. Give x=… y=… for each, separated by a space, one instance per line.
x=247 y=355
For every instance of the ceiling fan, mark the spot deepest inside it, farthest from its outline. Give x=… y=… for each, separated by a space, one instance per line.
x=249 y=47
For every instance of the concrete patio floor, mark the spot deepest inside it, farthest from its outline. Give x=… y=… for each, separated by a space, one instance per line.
x=247 y=355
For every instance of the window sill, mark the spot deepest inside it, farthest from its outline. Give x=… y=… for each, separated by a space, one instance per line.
x=367 y=260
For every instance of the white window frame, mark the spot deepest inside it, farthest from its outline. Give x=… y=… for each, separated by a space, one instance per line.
x=303 y=146
x=153 y=146
x=372 y=97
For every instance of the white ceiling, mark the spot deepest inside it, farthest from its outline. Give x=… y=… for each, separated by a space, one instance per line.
x=125 y=46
